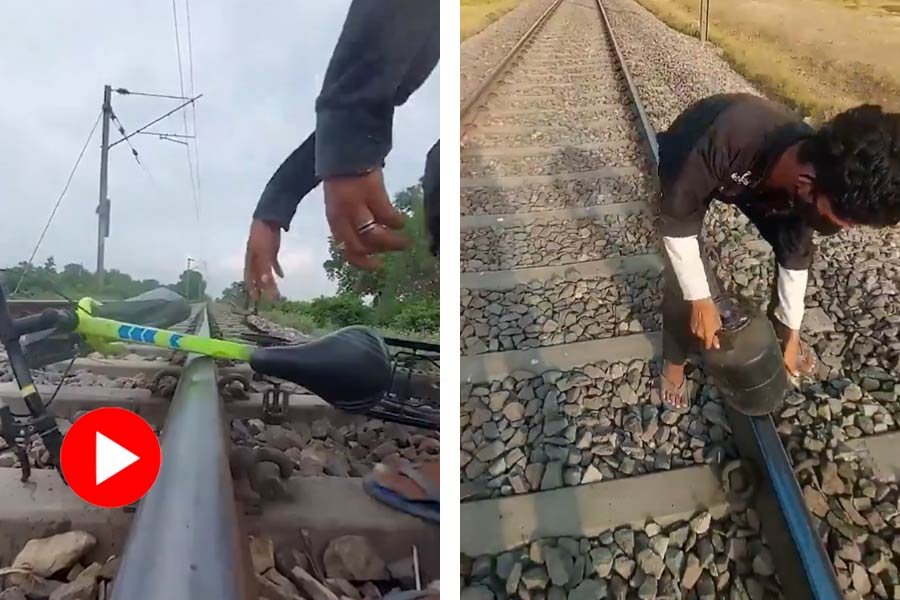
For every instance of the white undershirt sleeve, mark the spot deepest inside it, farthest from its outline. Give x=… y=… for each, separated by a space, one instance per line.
x=791 y=297
x=684 y=254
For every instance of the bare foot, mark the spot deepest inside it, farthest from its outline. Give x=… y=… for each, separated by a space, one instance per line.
x=673 y=390
x=807 y=363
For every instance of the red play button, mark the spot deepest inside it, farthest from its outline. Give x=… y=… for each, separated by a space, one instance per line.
x=110 y=457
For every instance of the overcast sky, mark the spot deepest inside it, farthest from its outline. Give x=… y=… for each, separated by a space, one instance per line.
x=260 y=67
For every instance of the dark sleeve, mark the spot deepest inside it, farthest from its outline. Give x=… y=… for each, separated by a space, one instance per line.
x=791 y=240
x=687 y=189
x=295 y=178
x=386 y=50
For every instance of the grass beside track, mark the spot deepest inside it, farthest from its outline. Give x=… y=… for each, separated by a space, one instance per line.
x=304 y=324
x=820 y=56
x=475 y=15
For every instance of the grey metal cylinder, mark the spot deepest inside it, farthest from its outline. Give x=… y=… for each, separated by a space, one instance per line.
x=748 y=367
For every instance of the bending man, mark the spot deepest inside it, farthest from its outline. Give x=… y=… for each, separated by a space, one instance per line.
x=790 y=181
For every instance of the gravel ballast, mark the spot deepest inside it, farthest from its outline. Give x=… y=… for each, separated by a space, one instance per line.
x=530 y=432
x=703 y=558
x=555 y=196
x=560 y=311
x=481 y=53
x=554 y=243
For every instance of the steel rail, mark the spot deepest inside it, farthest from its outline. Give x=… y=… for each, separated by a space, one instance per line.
x=646 y=127
x=467 y=112
x=185 y=541
x=20 y=308
x=802 y=565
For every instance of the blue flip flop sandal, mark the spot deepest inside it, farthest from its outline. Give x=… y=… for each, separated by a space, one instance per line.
x=429 y=509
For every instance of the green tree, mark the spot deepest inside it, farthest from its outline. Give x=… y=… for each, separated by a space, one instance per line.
x=236 y=291
x=75 y=272
x=74 y=281
x=31 y=281
x=117 y=284
x=191 y=285
x=349 y=279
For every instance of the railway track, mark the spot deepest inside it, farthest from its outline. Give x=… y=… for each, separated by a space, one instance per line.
x=294 y=496
x=414 y=398
x=575 y=481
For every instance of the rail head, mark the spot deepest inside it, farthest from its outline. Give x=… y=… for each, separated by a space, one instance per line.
x=646 y=127
x=185 y=540
x=469 y=107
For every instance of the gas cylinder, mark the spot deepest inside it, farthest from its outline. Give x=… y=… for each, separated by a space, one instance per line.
x=748 y=366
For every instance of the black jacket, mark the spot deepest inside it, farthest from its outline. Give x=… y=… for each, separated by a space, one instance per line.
x=386 y=51
x=721 y=148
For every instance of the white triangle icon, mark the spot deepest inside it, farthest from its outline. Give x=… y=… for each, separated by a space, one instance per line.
x=111 y=458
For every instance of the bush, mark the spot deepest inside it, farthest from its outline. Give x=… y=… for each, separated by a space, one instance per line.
x=340 y=311
x=329 y=312
x=421 y=316
x=294 y=320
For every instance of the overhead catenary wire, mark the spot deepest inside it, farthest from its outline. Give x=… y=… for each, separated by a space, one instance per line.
x=187 y=7
x=193 y=144
x=183 y=115
x=134 y=152
x=59 y=201
x=121 y=129
x=168 y=135
x=155 y=121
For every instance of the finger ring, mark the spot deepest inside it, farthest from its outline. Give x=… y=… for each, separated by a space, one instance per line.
x=367 y=226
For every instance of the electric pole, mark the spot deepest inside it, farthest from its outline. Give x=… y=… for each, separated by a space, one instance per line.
x=704 y=20
x=187 y=280
x=108 y=115
x=103 y=205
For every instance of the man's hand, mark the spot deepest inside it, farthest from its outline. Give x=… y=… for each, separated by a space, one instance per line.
x=705 y=322
x=361 y=218
x=261 y=260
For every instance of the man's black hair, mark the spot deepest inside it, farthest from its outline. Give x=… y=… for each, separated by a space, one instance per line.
x=856 y=157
